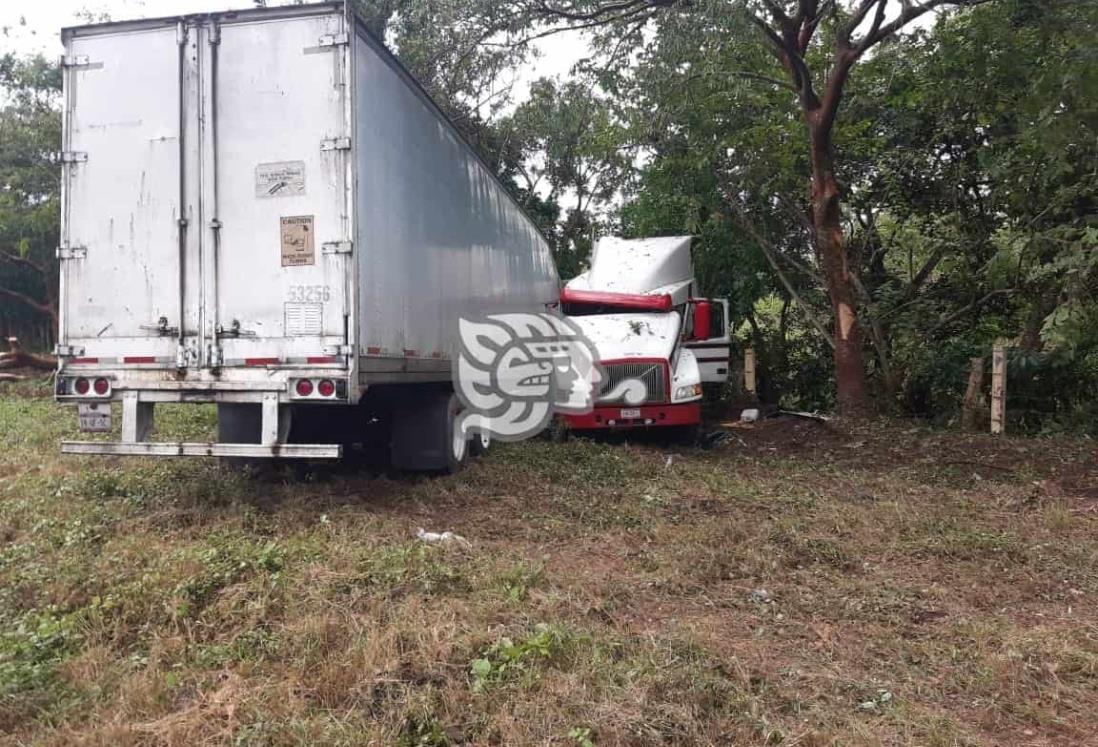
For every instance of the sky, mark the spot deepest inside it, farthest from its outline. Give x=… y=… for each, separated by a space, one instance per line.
x=29 y=27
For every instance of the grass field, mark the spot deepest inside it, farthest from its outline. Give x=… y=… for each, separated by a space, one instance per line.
x=799 y=585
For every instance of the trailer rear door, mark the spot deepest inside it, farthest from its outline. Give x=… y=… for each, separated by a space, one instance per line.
x=278 y=140
x=120 y=246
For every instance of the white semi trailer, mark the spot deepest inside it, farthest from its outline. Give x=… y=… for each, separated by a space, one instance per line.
x=264 y=210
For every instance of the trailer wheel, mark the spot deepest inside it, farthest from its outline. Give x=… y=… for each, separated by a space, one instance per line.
x=425 y=437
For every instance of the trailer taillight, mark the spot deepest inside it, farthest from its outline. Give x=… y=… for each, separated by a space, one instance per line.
x=326 y=388
x=102 y=387
x=304 y=388
x=81 y=386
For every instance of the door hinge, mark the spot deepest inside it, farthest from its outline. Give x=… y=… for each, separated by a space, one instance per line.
x=334 y=40
x=337 y=247
x=70 y=156
x=336 y=143
x=68 y=351
x=347 y=350
x=78 y=60
x=72 y=252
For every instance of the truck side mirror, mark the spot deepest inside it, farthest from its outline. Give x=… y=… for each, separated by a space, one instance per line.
x=703 y=320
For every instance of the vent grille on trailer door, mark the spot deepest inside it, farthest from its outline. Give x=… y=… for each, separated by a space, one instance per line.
x=304 y=319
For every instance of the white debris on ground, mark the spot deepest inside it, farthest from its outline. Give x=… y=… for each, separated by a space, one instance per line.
x=440 y=538
x=749 y=416
x=761 y=595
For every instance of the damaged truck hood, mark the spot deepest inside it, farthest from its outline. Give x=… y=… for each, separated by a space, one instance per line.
x=623 y=336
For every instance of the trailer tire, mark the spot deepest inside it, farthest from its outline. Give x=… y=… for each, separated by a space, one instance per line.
x=425 y=438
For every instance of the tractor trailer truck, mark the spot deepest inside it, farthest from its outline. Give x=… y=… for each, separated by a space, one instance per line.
x=264 y=210
x=659 y=343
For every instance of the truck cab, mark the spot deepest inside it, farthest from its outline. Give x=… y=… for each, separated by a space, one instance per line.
x=659 y=342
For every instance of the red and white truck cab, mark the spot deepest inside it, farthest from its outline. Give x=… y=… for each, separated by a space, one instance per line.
x=639 y=306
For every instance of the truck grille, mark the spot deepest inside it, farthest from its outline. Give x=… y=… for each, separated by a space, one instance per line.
x=652 y=374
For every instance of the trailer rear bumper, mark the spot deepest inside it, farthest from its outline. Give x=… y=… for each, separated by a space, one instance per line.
x=645 y=416
x=137 y=427
x=168 y=449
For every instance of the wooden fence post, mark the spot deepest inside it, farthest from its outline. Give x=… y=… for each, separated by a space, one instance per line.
x=998 y=389
x=749 y=371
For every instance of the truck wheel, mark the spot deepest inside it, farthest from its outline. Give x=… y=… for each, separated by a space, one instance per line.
x=425 y=437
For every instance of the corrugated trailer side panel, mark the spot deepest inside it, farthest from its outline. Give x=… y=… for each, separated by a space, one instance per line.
x=438 y=236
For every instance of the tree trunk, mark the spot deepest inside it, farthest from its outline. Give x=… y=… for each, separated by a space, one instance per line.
x=973 y=406
x=850 y=382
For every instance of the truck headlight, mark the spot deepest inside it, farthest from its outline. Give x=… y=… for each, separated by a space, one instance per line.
x=686 y=392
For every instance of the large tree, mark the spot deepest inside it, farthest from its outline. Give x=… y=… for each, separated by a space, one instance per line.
x=815 y=45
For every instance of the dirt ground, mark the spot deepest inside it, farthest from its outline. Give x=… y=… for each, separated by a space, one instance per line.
x=797 y=583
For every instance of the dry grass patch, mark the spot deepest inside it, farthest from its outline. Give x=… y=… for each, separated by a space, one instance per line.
x=800 y=585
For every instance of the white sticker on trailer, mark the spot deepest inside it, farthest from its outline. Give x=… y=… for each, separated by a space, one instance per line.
x=281 y=179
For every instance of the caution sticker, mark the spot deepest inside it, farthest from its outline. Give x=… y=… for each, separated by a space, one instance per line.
x=298 y=246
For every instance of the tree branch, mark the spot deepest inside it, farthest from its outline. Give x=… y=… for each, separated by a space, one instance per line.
x=24 y=261
x=970 y=308
x=911 y=11
x=41 y=308
x=545 y=10
x=768 y=252
x=765 y=79
x=791 y=60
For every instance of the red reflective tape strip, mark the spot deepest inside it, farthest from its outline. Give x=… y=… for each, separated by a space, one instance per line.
x=322 y=359
x=139 y=359
x=373 y=351
x=436 y=355
x=83 y=361
x=639 y=301
x=410 y=353
x=261 y=361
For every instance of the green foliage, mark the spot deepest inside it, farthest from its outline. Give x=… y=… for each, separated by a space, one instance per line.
x=30 y=131
x=424 y=568
x=519 y=580
x=423 y=730
x=32 y=648
x=508 y=660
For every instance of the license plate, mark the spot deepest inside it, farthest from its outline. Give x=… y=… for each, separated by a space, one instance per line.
x=94 y=418
x=630 y=414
